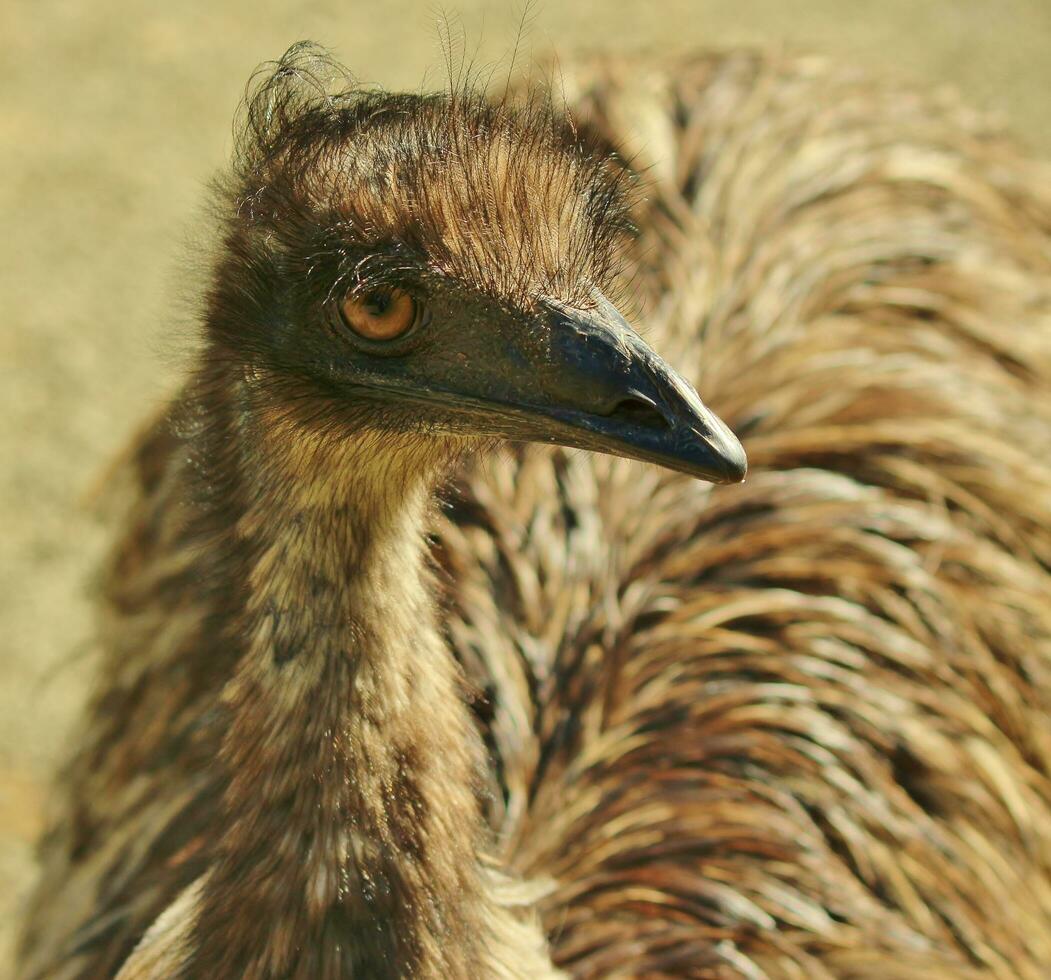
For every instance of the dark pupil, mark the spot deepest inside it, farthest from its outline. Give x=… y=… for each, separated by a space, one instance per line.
x=378 y=303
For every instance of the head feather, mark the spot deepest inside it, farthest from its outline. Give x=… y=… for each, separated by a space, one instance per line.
x=507 y=198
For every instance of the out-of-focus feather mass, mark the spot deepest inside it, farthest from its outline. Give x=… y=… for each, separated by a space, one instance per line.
x=799 y=728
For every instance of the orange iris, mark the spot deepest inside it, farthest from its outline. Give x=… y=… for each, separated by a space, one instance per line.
x=380 y=315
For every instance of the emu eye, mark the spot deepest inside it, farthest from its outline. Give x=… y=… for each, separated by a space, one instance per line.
x=382 y=314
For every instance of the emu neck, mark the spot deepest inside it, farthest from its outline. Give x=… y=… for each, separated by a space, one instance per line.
x=351 y=825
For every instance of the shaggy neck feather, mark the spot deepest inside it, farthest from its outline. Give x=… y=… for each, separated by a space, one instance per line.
x=351 y=825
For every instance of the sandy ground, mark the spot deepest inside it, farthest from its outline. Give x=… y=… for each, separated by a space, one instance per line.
x=112 y=116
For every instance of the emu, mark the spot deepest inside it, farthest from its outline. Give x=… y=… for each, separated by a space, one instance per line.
x=791 y=729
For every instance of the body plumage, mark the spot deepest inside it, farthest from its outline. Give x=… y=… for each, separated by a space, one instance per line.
x=792 y=729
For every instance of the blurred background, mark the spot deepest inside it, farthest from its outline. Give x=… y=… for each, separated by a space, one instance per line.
x=114 y=114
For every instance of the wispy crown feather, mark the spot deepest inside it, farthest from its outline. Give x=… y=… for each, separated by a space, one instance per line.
x=505 y=197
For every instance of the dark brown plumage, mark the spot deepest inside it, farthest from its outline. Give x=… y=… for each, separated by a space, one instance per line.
x=794 y=729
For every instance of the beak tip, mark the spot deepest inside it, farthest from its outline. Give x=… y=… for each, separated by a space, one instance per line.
x=727 y=460
x=736 y=463
x=731 y=470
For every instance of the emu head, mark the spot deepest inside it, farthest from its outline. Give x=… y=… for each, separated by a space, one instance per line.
x=435 y=269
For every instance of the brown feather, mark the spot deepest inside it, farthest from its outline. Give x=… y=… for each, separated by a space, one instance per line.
x=796 y=729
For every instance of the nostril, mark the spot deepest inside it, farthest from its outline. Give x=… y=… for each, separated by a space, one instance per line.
x=636 y=412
